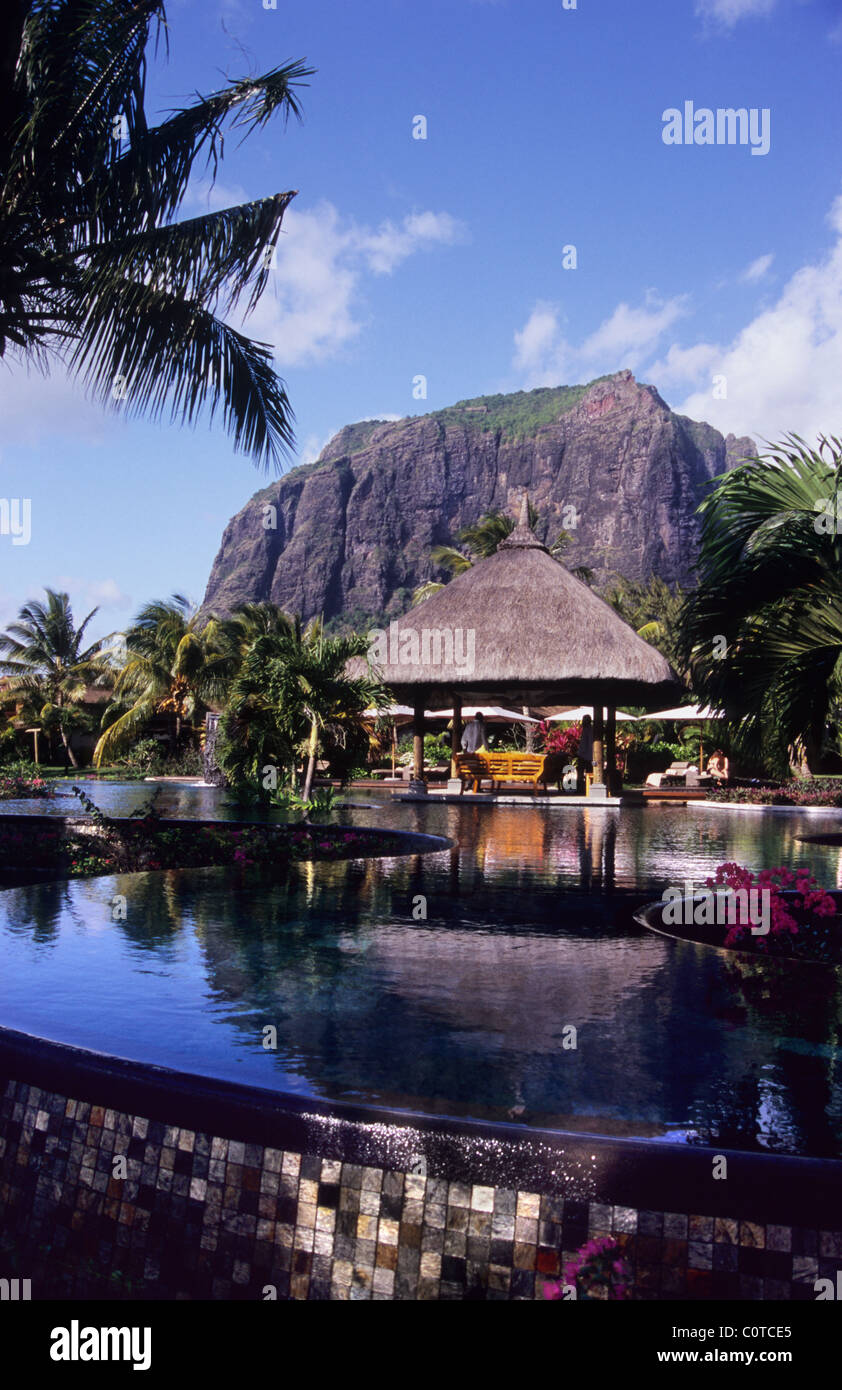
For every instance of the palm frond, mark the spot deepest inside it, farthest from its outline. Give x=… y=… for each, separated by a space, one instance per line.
x=173 y=356
x=202 y=258
x=87 y=229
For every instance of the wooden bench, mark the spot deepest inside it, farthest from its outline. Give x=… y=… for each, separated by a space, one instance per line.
x=495 y=768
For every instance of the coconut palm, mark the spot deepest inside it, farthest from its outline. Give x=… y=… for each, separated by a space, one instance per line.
x=480 y=540
x=46 y=661
x=93 y=265
x=172 y=667
x=654 y=610
x=236 y=634
x=763 y=631
x=293 y=688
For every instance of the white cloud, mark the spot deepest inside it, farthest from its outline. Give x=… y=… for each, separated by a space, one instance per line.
x=203 y=195
x=782 y=370
x=86 y=594
x=33 y=407
x=545 y=357
x=727 y=13
x=758 y=269
x=389 y=245
x=312 y=446
x=629 y=334
x=541 y=352
x=312 y=306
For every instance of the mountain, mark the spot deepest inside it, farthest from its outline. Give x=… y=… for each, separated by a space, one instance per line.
x=350 y=535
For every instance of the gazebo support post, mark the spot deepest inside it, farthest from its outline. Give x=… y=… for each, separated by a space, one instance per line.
x=530 y=730
x=454 y=785
x=611 y=750
x=418 y=786
x=598 y=783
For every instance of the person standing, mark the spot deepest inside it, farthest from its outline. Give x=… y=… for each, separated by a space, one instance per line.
x=473 y=735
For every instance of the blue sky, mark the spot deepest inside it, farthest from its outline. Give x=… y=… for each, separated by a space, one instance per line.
x=445 y=257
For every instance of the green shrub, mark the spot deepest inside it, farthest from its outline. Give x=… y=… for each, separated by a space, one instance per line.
x=436 y=749
x=143 y=756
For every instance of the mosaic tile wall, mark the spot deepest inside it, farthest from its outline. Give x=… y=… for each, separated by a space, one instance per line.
x=201 y=1216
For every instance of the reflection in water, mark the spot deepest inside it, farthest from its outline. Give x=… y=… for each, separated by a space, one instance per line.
x=528 y=930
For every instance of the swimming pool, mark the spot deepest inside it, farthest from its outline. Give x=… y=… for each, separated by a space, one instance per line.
x=449 y=983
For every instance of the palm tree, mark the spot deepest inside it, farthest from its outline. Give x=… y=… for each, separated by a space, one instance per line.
x=236 y=634
x=480 y=540
x=93 y=264
x=47 y=663
x=654 y=610
x=763 y=631
x=171 y=667
x=292 y=688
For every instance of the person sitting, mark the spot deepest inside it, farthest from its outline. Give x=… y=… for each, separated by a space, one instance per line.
x=473 y=735
x=718 y=766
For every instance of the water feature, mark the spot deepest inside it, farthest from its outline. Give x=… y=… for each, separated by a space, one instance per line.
x=448 y=982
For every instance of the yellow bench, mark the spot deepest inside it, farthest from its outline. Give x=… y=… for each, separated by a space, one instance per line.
x=533 y=768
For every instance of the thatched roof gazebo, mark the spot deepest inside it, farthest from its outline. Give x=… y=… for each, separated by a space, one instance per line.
x=519 y=628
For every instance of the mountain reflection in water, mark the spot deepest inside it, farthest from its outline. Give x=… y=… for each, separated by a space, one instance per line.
x=449 y=982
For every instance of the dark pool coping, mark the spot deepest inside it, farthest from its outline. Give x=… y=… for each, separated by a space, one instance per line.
x=777 y=1189
x=412 y=842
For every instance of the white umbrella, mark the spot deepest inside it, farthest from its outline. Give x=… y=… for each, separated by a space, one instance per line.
x=689 y=714
x=686 y=712
x=493 y=714
x=573 y=716
x=389 y=712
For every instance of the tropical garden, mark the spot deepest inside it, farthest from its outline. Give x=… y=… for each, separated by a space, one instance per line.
x=759 y=637
x=280 y=688
x=99 y=268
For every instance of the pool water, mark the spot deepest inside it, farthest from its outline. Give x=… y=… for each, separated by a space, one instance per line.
x=504 y=978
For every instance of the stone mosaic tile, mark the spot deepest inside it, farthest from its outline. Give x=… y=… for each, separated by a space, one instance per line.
x=209 y=1216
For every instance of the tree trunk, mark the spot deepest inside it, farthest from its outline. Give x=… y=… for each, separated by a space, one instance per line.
x=311 y=761
x=68 y=750
x=530 y=730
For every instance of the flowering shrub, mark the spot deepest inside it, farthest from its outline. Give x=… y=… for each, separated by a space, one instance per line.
x=811 y=791
x=555 y=738
x=14 y=787
x=797 y=925
x=597 y=1270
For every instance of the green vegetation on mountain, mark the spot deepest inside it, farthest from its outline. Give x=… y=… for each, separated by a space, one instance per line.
x=516 y=414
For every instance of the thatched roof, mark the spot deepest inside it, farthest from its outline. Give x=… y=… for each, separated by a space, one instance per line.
x=521 y=625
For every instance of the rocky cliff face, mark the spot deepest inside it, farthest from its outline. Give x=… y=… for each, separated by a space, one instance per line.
x=351 y=534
